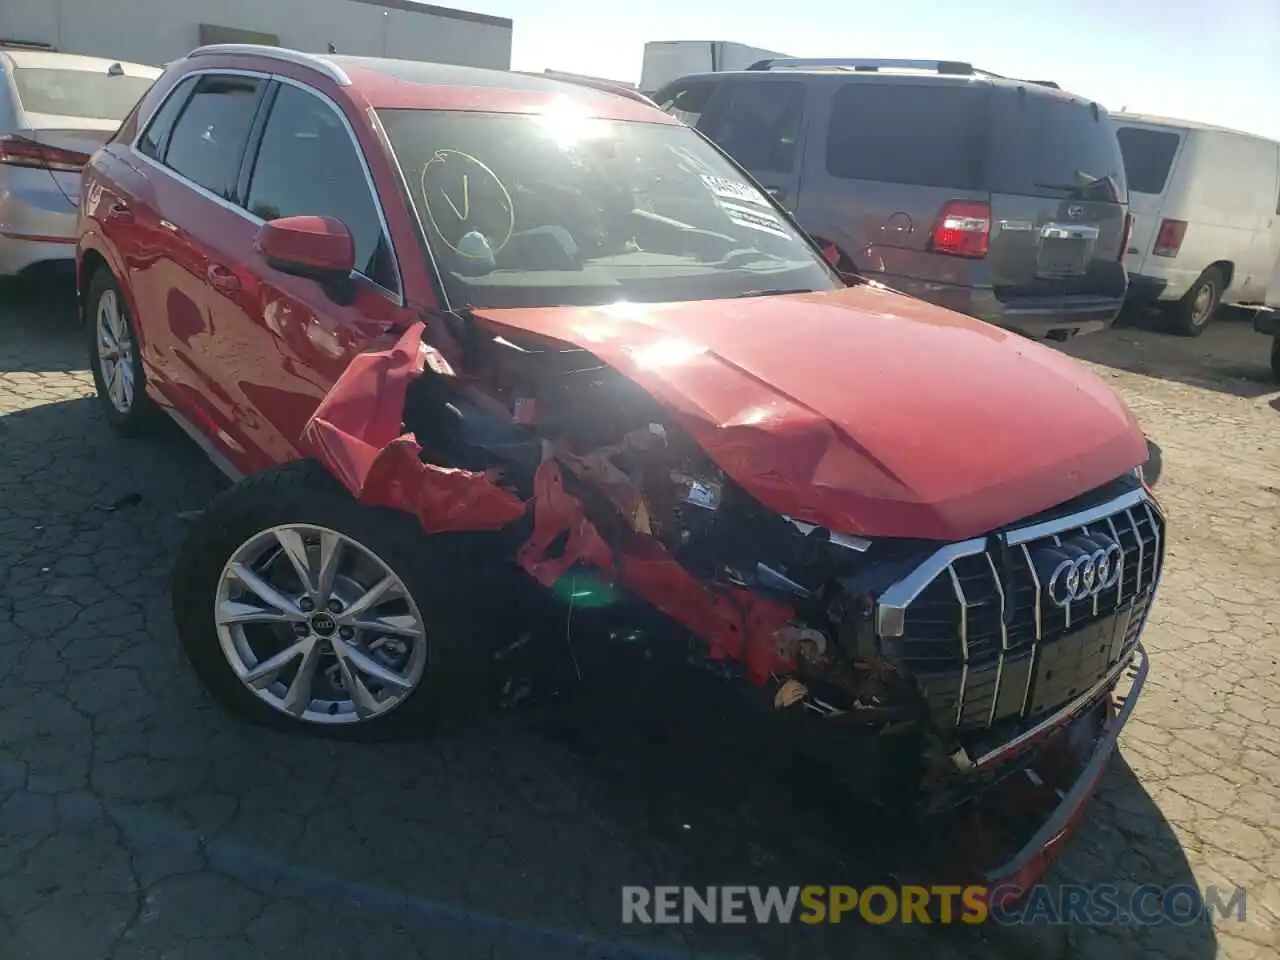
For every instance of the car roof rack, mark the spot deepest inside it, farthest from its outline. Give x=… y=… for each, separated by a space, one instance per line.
x=297 y=57
x=957 y=68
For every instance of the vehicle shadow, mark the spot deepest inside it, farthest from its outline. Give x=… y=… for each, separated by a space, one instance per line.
x=510 y=839
x=1154 y=466
x=40 y=330
x=1229 y=357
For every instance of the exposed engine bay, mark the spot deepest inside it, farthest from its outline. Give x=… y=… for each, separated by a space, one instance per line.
x=584 y=477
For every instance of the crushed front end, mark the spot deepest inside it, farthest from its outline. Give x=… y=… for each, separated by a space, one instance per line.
x=938 y=676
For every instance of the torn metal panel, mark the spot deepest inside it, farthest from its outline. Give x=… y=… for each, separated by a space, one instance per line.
x=735 y=624
x=356 y=434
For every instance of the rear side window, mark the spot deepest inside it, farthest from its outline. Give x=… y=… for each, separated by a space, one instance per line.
x=759 y=123
x=1053 y=146
x=303 y=133
x=78 y=93
x=153 y=141
x=1148 y=156
x=928 y=135
x=208 y=139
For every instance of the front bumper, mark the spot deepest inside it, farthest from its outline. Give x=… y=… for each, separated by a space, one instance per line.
x=1007 y=838
x=1011 y=878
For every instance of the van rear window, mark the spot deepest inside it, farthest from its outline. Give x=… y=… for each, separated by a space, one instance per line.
x=1049 y=145
x=1148 y=156
x=928 y=135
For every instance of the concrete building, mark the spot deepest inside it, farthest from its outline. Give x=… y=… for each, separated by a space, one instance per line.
x=157 y=31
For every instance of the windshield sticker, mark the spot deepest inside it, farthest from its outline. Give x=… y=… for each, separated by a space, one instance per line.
x=754 y=219
x=734 y=190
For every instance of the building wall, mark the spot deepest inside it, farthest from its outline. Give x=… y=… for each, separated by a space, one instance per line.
x=157 y=31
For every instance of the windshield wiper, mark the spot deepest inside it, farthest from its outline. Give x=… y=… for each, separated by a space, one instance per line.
x=773 y=292
x=1079 y=188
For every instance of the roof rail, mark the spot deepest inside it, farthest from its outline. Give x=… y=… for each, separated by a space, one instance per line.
x=857 y=64
x=319 y=64
x=861 y=64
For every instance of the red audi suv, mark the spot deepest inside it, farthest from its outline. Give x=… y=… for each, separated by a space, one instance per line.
x=475 y=342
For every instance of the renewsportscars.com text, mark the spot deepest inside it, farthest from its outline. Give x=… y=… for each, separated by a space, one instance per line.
x=1098 y=905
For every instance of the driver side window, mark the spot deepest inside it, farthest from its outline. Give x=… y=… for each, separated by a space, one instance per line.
x=308 y=165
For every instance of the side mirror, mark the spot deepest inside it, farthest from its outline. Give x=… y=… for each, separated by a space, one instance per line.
x=319 y=248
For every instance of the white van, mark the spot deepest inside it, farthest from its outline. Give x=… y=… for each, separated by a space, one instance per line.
x=1205 y=203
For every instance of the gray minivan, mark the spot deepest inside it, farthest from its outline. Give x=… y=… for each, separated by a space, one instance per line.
x=1003 y=199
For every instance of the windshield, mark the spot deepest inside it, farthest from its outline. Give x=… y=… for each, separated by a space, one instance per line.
x=78 y=93
x=558 y=209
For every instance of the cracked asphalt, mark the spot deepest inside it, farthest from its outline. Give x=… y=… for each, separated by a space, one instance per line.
x=137 y=820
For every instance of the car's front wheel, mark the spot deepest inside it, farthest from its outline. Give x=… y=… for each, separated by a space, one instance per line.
x=304 y=611
x=114 y=357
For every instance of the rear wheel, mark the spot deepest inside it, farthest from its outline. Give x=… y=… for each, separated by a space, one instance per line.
x=304 y=611
x=1193 y=313
x=114 y=357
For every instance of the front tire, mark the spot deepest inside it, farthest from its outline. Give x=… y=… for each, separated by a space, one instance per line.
x=115 y=359
x=1192 y=314
x=303 y=611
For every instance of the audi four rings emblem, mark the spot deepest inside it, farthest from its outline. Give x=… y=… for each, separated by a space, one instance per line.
x=1080 y=568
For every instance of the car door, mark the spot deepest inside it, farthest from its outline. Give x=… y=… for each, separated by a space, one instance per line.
x=1150 y=154
x=282 y=341
x=760 y=123
x=193 y=148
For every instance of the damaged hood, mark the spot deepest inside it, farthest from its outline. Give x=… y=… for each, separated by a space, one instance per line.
x=863 y=410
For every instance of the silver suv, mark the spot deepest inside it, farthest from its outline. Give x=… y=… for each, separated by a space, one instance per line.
x=1003 y=199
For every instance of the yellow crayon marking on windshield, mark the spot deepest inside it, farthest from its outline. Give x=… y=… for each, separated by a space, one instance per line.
x=466 y=200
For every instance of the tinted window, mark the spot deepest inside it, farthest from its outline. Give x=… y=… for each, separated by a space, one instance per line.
x=1148 y=155
x=152 y=142
x=209 y=137
x=760 y=124
x=686 y=101
x=930 y=135
x=307 y=165
x=548 y=210
x=1054 y=146
x=78 y=93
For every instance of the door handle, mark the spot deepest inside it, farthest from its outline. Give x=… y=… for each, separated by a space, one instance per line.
x=120 y=211
x=221 y=278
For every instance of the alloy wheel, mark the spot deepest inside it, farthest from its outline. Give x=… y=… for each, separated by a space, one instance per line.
x=115 y=352
x=319 y=627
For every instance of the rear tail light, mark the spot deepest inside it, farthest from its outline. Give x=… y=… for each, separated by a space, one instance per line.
x=963 y=229
x=20 y=152
x=1126 y=236
x=1169 y=238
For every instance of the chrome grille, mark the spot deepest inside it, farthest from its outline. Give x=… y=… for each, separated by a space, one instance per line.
x=979 y=633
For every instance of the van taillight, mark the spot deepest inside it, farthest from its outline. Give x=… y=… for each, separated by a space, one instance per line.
x=963 y=229
x=20 y=152
x=1127 y=236
x=1169 y=238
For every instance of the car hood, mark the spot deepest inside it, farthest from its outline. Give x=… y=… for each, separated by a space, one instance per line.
x=863 y=410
